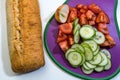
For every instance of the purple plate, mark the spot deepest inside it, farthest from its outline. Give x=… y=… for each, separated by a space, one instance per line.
x=55 y=53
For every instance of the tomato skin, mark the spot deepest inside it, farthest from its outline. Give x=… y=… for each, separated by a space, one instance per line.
x=94 y=8
x=70 y=40
x=83 y=19
x=72 y=15
x=66 y=28
x=64 y=45
x=102 y=18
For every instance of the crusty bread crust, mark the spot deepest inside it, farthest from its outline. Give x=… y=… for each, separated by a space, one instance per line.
x=24 y=35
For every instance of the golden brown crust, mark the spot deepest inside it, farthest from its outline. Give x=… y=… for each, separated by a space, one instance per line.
x=24 y=35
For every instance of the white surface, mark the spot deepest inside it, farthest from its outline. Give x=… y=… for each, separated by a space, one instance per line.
x=50 y=71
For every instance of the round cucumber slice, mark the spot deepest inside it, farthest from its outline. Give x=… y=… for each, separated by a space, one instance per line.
x=87 y=71
x=96 y=60
x=68 y=51
x=74 y=58
x=99 y=68
x=104 y=59
x=79 y=47
x=99 y=38
x=108 y=66
x=87 y=32
x=93 y=45
x=88 y=54
x=106 y=52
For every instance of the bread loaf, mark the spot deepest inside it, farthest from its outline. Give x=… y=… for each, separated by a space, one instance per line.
x=24 y=35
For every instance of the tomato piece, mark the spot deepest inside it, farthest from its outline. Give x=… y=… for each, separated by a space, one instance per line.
x=95 y=8
x=61 y=38
x=89 y=14
x=102 y=27
x=72 y=15
x=83 y=19
x=79 y=6
x=64 y=45
x=91 y=22
x=66 y=28
x=70 y=39
x=102 y=18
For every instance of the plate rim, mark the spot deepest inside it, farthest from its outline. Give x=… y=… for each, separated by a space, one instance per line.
x=67 y=70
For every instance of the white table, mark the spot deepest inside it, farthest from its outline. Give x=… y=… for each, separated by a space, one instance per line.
x=50 y=71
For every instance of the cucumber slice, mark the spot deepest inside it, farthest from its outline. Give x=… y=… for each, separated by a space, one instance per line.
x=75 y=22
x=99 y=38
x=87 y=32
x=76 y=28
x=68 y=51
x=104 y=59
x=91 y=66
x=106 y=52
x=74 y=58
x=93 y=45
x=108 y=66
x=83 y=59
x=96 y=51
x=85 y=45
x=88 y=54
x=76 y=37
x=86 y=67
x=79 y=47
x=99 y=68
x=87 y=71
x=96 y=60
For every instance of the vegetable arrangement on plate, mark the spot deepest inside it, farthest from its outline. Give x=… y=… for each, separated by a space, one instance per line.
x=82 y=33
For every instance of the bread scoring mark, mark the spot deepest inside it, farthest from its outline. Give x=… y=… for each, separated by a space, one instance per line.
x=18 y=45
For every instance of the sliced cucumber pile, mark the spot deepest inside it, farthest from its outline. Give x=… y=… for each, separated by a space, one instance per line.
x=88 y=54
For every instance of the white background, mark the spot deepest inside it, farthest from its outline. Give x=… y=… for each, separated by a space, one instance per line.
x=50 y=71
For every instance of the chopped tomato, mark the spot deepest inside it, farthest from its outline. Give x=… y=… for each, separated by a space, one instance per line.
x=83 y=19
x=95 y=8
x=70 y=39
x=61 y=38
x=72 y=15
x=91 y=22
x=64 y=45
x=102 y=18
x=89 y=14
x=66 y=28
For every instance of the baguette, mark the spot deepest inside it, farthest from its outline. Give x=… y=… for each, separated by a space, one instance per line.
x=24 y=35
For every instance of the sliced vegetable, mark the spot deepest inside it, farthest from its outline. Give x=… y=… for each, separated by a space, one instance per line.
x=76 y=28
x=99 y=38
x=62 y=13
x=108 y=66
x=76 y=37
x=87 y=32
x=104 y=59
x=106 y=52
x=99 y=68
x=91 y=66
x=87 y=71
x=79 y=47
x=74 y=58
x=68 y=51
x=93 y=45
x=96 y=60
x=88 y=53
